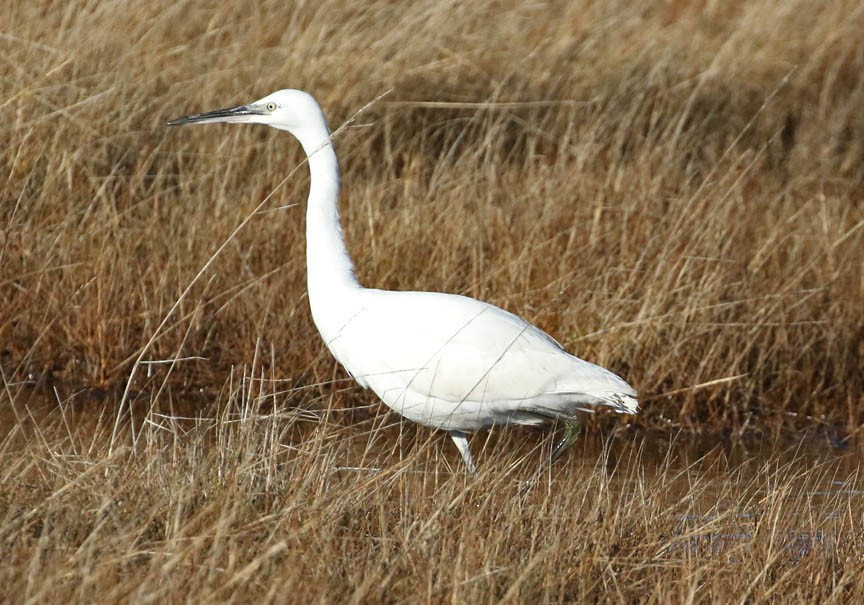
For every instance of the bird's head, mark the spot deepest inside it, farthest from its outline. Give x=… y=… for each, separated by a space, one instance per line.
x=291 y=110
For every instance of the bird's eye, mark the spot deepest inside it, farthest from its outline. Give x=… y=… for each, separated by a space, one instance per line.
x=271 y=106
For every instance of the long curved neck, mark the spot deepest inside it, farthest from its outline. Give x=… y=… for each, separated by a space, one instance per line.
x=330 y=273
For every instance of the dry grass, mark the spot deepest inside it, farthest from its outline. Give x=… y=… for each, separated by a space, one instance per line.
x=251 y=506
x=674 y=191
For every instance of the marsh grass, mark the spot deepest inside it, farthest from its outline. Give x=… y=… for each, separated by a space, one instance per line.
x=673 y=190
x=253 y=503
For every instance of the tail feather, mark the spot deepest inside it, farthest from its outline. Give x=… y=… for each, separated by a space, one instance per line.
x=624 y=404
x=621 y=403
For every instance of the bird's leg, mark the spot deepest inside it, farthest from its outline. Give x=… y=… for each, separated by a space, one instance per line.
x=572 y=428
x=461 y=441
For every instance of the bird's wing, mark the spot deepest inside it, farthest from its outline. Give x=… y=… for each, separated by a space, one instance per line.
x=459 y=349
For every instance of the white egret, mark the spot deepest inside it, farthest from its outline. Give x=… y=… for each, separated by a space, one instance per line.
x=446 y=361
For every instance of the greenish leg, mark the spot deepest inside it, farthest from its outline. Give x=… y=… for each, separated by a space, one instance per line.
x=572 y=429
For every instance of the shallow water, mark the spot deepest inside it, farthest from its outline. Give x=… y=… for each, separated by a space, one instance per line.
x=801 y=492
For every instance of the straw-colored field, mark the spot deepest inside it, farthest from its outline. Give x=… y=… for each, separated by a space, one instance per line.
x=673 y=189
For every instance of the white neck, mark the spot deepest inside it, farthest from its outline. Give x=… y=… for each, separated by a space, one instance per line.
x=330 y=273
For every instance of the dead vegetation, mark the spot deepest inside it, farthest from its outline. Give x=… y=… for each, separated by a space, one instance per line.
x=672 y=189
x=254 y=504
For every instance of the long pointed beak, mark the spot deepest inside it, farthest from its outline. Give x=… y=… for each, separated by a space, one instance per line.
x=240 y=113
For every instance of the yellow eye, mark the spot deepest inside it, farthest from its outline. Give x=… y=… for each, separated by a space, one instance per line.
x=271 y=106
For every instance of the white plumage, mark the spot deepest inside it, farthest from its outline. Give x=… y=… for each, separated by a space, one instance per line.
x=445 y=361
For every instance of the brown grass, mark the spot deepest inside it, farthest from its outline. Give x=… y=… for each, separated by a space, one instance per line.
x=253 y=506
x=672 y=189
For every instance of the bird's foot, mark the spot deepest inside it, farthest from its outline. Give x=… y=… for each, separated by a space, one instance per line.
x=572 y=430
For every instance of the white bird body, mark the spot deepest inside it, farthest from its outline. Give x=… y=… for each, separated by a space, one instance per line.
x=418 y=351
x=442 y=360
